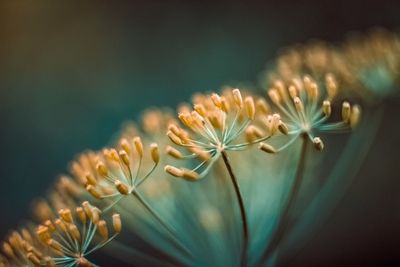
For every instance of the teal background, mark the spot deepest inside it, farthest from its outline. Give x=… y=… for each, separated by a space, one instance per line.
x=72 y=71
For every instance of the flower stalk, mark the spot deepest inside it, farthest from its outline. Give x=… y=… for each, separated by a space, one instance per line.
x=243 y=261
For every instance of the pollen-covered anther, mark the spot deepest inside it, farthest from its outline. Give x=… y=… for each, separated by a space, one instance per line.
x=66 y=215
x=216 y=99
x=174 y=138
x=173 y=152
x=293 y=92
x=60 y=225
x=283 y=127
x=122 y=188
x=346 y=111
x=111 y=155
x=298 y=104
x=355 y=116
x=273 y=123
x=73 y=230
x=200 y=153
x=49 y=261
x=281 y=89
x=102 y=169
x=27 y=235
x=95 y=214
x=175 y=129
x=237 y=98
x=103 y=230
x=124 y=157
x=116 y=219
x=331 y=85
x=253 y=133
x=33 y=258
x=87 y=208
x=274 y=95
x=326 y=108
x=197 y=121
x=7 y=249
x=93 y=191
x=318 y=144
x=217 y=120
x=126 y=146
x=81 y=214
x=138 y=145
x=313 y=92
x=199 y=108
x=54 y=245
x=155 y=153
x=174 y=171
x=190 y=175
x=225 y=107
x=250 y=107
x=267 y=148
x=262 y=106
x=90 y=179
x=49 y=225
x=186 y=119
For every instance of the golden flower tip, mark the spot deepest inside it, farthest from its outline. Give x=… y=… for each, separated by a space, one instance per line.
x=267 y=148
x=155 y=154
x=318 y=144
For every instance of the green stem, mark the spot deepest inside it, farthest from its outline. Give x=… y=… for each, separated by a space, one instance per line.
x=243 y=261
x=284 y=218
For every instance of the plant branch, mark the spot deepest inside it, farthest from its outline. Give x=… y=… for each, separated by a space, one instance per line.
x=243 y=216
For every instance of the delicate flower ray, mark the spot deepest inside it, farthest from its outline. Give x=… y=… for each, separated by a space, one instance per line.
x=116 y=173
x=71 y=240
x=305 y=114
x=218 y=124
x=62 y=241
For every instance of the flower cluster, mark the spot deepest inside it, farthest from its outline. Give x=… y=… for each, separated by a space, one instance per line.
x=244 y=213
x=66 y=240
x=305 y=113
x=366 y=65
x=217 y=124
x=115 y=172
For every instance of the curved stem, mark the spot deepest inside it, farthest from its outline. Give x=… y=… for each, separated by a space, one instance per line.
x=243 y=261
x=284 y=218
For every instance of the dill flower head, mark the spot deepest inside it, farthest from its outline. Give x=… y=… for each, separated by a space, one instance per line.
x=374 y=62
x=217 y=124
x=307 y=107
x=20 y=248
x=66 y=240
x=116 y=172
x=71 y=239
x=366 y=66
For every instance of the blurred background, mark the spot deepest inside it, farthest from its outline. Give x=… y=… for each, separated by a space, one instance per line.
x=72 y=71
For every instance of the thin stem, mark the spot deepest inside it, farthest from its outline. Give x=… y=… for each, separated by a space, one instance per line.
x=284 y=218
x=172 y=233
x=243 y=261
